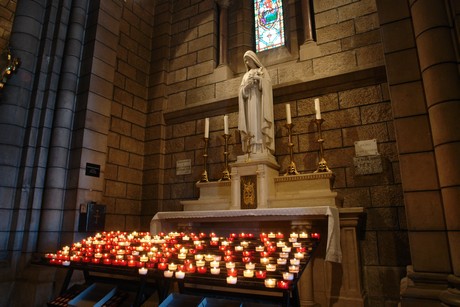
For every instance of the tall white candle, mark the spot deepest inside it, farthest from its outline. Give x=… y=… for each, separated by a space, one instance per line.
x=226 y=124
x=317 y=109
x=206 y=127
x=288 y=113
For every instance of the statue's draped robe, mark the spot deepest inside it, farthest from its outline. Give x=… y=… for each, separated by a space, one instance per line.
x=255 y=118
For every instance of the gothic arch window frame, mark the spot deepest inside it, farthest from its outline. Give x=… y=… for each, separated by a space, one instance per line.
x=269 y=20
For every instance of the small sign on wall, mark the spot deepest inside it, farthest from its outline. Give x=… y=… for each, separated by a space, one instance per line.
x=367 y=160
x=184 y=167
x=93 y=170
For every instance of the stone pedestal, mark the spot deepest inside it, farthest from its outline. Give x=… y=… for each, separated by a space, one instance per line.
x=259 y=168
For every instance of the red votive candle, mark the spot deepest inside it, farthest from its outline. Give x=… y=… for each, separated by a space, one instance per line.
x=96 y=260
x=232 y=272
x=246 y=259
x=261 y=274
x=190 y=268
x=282 y=284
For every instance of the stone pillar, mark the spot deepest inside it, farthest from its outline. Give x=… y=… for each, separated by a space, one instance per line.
x=223 y=71
x=223 y=31
x=307 y=22
x=61 y=137
x=436 y=45
x=308 y=49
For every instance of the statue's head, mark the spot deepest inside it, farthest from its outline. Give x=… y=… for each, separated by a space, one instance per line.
x=251 y=60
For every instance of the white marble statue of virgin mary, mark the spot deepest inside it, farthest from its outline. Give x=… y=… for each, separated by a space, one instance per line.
x=255 y=103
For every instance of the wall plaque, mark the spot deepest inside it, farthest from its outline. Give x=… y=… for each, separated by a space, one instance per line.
x=366 y=148
x=93 y=170
x=184 y=167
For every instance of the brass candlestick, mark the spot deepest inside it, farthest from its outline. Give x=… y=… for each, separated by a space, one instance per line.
x=226 y=173
x=322 y=165
x=292 y=169
x=204 y=175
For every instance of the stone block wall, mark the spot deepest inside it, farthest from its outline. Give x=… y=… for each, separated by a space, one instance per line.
x=7 y=9
x=185 y=91
x=123 y=189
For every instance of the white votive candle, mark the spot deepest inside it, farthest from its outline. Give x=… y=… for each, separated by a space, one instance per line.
x=179 y=275
x=230 y=265
x=172 y=267
x=182 y=256
x=270 y=267
x=299 y=255
x=294 y=261
x=215 y=271
x=143 y=271
x=284 y=255
x=286 y=249
x=248 y=273
x=264 y=260
x=270 y=282
x=231 y=280
x=214 y=264
x=168 y=274
x=250 y=266
x=200 y=263
x=288 y=276
x=281 y=261
x=280 y=244
x=198 y=257
x=294 y=269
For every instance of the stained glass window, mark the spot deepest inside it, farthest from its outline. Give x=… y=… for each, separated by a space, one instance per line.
x=269 y=24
